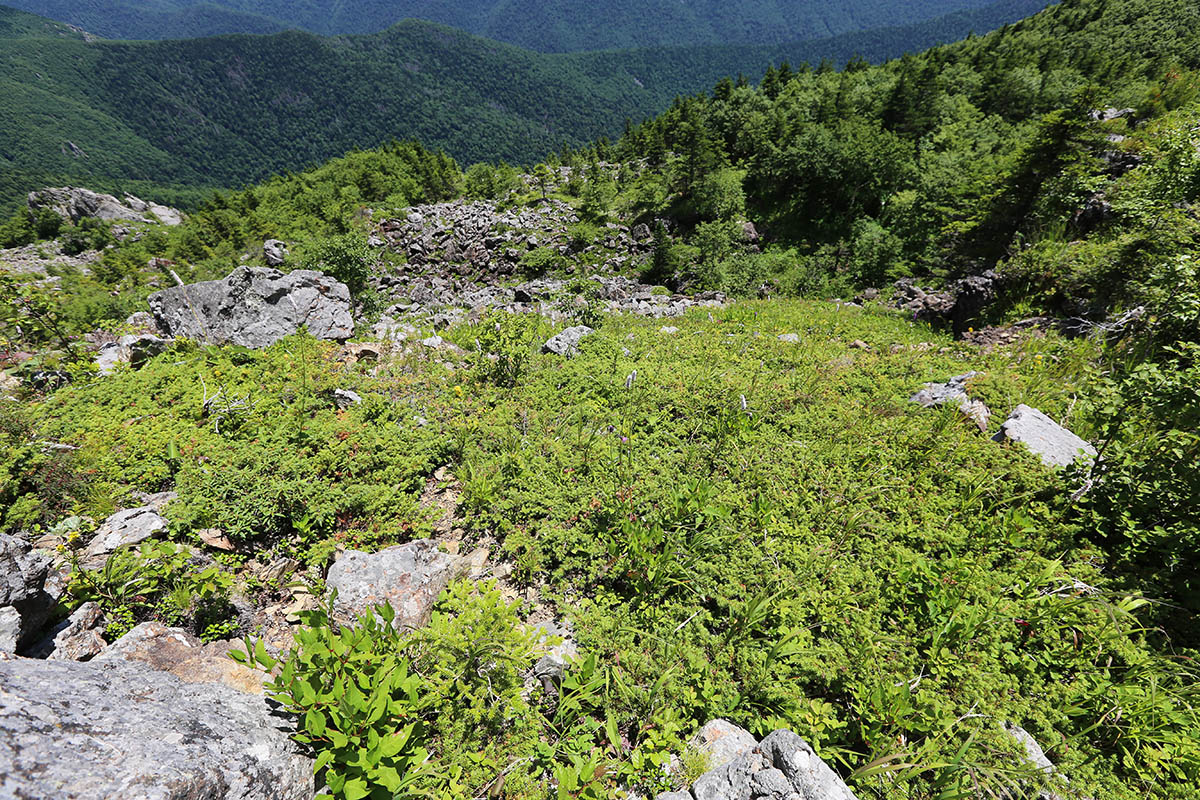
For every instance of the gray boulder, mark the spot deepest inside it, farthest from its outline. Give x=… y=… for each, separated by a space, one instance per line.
x=275 y=252
x=344 y=398
x=409 y=577
x=123 y=529
x=781 y=767
x=255 y=307
x=106 y=729
x=1054 y=444
x=566 y=343
x=10 y=629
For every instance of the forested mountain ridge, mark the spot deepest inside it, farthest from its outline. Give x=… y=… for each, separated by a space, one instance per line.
x=547 y=26
x=226 y=110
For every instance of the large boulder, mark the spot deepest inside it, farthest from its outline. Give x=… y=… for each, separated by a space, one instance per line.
x=1045 y=438
x=275 y=252
x=105 y=729
x=409 y=577
x=255 y=307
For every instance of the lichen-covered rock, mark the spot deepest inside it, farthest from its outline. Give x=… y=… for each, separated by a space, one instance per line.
x=409 y=577
x=275 y=252
x=255 y=307
x=1045 y=438
x=722 y=742
x=178 y=652
x=106 y=729
x=566 y=343
x=25 y=604
x=22 y=570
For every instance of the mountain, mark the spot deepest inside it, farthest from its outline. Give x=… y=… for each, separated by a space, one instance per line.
x=547 y=26
x=226 y=110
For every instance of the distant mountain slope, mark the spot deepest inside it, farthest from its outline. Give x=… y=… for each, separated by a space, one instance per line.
x=227 y=110
x=543 y=25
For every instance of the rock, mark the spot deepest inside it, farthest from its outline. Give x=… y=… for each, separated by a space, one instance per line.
x=77 y=639
x=215 y=538
x=553 y=666
x=859 y=344
x=22 y=570
x=123 y=529
x=1036 y=758
x=780 y=767
x=749 y=232
x=134 y=349
x=114 y=728
x=10 y=629
x=955 y=391
x=275 y=252
x=344 y=398
x=722 y=742
x=789 y=337
x=566 y=342
x=9 y=385
x=432 y=342
x=668 y=329
x=25 y=603
x=1054 y=444
x=142 y=321
x=409 y=577
x=178 y=652
x=74 y=204
x=1094 y=212
x=255 y=307
x=641 y=232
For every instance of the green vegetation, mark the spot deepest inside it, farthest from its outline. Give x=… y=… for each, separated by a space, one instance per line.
x=824 y=556
x=160 y=119
x=734 y=524
x=555 y=26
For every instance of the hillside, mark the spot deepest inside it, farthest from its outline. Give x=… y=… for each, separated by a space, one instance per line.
x=228 y=110
x=830 y=437
x=556 y=26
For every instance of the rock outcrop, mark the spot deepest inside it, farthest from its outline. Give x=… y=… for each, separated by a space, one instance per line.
x=255 y=307
x=1045 y=438
x=409 y=577
x=114 y=728
x=960 y=304
x=74 y=204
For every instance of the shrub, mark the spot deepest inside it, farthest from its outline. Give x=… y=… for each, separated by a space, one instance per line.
x=504 y=346
x=346 y=258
